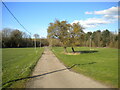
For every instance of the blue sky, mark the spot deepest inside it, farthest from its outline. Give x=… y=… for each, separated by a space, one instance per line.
x=36 y=16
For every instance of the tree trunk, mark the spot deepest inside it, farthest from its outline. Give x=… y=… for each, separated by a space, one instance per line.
x=73 y=50
x=65 y=50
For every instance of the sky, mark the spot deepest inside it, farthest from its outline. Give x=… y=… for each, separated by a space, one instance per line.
x=36 y=16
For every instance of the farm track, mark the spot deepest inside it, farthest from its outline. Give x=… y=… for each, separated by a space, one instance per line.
x=61 y=77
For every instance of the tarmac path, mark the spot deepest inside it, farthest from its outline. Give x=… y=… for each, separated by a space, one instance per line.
x=63 y=78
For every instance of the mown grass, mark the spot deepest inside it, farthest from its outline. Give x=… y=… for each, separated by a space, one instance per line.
x=18 y=63
x=104 y=70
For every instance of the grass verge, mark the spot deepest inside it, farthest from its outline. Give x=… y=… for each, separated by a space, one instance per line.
x=18 y=63
x=104 y=70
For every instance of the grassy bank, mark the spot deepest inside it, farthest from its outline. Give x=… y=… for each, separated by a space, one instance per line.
x=18 y=63
x=104 y=70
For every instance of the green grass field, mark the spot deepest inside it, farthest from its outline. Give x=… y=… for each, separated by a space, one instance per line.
x=18 y=63
x=105 y=70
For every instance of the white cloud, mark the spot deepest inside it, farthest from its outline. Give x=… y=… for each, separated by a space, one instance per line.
x=88 y=13
x=108 y=16
x=111 y=16
x=110 y=11
x=92 y=22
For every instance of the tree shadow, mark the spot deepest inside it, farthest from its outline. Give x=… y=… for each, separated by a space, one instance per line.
x=68 y=68
x=82 y=52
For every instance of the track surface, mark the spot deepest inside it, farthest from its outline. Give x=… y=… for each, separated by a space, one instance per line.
x=59 y=79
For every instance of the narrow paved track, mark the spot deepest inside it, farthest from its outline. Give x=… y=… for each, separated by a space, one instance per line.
x=58 y=79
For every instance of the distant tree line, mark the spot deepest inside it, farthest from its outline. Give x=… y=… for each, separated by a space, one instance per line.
x=103 y=38
x=61 y=33
x=14 y=38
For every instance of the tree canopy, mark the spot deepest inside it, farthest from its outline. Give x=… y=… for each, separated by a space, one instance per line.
x=68 y=34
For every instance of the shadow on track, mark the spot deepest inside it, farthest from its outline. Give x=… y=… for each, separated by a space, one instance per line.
x=48 y=72
x=91 y=51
